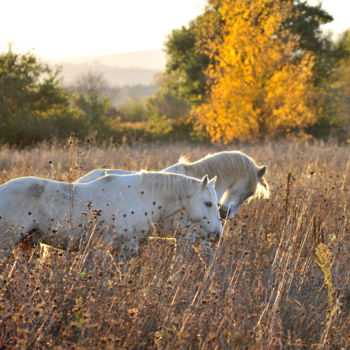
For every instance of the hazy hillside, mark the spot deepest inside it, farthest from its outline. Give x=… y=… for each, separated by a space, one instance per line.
x=118 y=70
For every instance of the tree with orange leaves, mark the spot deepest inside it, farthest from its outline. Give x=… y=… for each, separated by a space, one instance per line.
x=259 y=79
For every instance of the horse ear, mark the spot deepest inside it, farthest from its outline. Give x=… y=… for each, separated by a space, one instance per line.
x=205 y=181
x=212 y=181
x=261 y=172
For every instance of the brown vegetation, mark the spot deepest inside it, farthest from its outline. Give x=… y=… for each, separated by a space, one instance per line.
x=279 y=278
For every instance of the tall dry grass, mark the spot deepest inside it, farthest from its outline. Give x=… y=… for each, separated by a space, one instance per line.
x=280 y=276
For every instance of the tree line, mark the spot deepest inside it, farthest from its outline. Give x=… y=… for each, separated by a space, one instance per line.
x=241 y=71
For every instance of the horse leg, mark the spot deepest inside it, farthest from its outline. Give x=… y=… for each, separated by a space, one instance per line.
x=13 y=248
x=9 y=240
x=128 y=250
x=95 y=258
x=207 y=249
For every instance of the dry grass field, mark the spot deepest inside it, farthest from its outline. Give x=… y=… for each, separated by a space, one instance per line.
x=280 y=277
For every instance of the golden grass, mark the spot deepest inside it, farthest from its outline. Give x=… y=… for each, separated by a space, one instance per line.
x=269 y=286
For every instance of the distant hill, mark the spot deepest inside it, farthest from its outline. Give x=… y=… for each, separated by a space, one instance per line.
x=118 y=70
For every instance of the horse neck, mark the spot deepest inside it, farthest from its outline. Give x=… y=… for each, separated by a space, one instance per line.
x=172 y=194
x=169 y=209
x=202 y=168
x=177 y=169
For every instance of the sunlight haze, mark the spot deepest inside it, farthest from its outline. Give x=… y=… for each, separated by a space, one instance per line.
x=82 y=28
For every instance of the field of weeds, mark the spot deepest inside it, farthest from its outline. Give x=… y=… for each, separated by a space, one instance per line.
x=280 y=277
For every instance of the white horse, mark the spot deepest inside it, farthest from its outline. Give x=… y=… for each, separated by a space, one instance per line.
x=123 y=208
x=238 y=177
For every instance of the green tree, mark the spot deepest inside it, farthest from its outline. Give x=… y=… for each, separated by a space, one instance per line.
x=33 y=104
x=164 y=103
x=133 y=111
x=305 y=22
x=90 y=98
x=334 y=116
x=184 y=75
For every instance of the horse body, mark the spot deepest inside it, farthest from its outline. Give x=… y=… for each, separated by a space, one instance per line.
x=123 y=209
x=97 y=173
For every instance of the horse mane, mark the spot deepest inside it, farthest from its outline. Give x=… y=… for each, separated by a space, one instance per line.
x=176 y=186
x=228 y=163
x=183 y=160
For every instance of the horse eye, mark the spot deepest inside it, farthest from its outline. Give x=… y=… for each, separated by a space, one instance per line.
x=209 y=204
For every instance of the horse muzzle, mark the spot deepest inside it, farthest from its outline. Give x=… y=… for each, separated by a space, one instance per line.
x=227 y=213
x=224 y=212
x=214 y=236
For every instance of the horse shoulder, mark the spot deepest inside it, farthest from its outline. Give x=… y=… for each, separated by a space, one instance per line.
x=21 y=193
x=36 y=189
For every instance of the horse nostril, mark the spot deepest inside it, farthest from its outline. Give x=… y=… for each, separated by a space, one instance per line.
x=224 y=212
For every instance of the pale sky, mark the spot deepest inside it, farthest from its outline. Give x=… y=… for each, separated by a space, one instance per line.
x=340 y=10
x=59 y=28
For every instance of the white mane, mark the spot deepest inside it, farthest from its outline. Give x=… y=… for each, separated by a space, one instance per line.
x=183 y=160
x=176 y=186
x=225 y=164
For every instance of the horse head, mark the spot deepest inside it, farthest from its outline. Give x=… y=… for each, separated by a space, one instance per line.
x=241 y=190
x=202 y=210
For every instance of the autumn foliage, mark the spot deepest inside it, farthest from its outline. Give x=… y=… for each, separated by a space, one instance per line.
x=259 y=81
